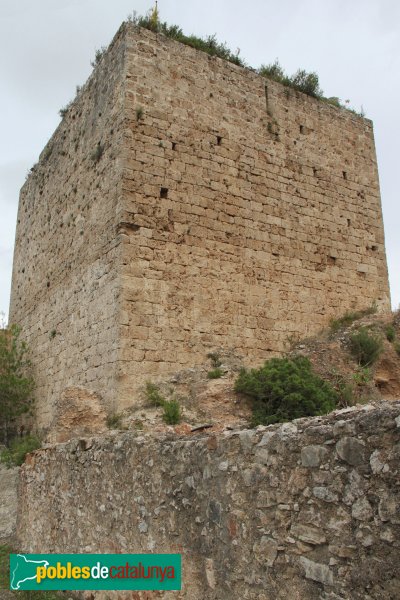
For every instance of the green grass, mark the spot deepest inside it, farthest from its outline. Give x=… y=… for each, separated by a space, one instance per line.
x=215 y=373
x=171 y=408
x=390 y=333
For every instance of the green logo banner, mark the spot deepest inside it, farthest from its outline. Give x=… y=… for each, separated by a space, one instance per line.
x=95 y=571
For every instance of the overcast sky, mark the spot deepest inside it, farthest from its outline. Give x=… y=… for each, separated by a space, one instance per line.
x=46 y=47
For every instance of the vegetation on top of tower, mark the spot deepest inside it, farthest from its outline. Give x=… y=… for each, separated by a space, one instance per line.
x=302 y=81
x=209 y=44
x=305 y=82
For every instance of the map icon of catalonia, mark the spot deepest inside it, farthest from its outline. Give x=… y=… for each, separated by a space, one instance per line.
x=24 y=570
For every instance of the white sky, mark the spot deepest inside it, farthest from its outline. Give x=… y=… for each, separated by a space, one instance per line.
x=46 y=47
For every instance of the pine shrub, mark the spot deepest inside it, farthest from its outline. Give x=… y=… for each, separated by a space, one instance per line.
x=172 y=412
x=365 y=347
x=285 y=389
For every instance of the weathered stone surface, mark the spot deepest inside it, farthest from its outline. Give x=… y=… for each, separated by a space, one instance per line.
x=343 y=428
x=78 y=412
x=317 y=571
x=362 y=510
x=313 y=456
x=266 y=551
x=308 y=534
x=351 y=450
x=243 y=532
x=180 y=206
x=324 y=493
x=389 y=508
x=377 y=466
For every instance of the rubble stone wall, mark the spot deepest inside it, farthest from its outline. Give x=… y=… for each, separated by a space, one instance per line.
x=304 y=510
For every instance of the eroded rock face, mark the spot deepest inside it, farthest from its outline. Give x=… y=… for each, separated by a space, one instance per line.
x=78 y=412
x=307 y=510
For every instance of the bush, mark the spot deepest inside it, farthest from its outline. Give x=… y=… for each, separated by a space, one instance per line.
x=390 y=333
x=275 y=72
x=114 y=421
x=308 y=83
x=396 y=346
x=349 y=317
x=215 y=359
x=98 y=56
x=335 y=101
x=14 y=456
x=171 y=408
x=153 y=395
x=215 y=373
x=285 y=389
x=365 y=347
x=139 y=113
x=346 y=395
x=172 y=412
x=64 y=110
x=16 y=386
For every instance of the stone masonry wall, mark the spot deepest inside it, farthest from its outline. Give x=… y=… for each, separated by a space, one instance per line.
x=185 y=204
x=65 y=277
x=253 y=212
x=304 y=510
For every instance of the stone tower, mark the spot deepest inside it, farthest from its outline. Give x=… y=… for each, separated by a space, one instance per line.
x=184 y=204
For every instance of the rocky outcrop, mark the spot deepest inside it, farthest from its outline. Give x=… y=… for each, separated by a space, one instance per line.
x=78 y=412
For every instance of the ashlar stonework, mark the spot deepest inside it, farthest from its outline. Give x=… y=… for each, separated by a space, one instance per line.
x=184 y=204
